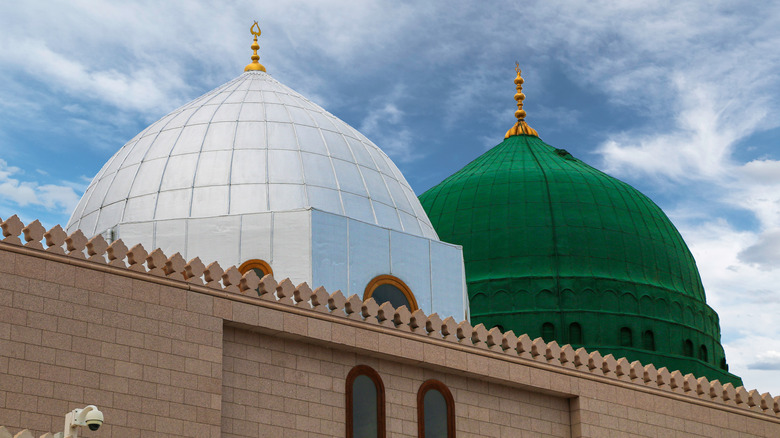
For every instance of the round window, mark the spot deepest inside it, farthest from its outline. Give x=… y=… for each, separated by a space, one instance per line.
x=261 y=267
x=387 y=288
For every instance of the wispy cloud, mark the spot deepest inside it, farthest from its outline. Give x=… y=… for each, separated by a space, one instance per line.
x=385 y=124
x=54 y=197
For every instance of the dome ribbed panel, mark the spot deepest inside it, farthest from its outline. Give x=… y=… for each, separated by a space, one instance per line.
x=252 y=145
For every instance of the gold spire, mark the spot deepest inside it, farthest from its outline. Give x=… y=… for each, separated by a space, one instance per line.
x=255 y=65
x=520 y=127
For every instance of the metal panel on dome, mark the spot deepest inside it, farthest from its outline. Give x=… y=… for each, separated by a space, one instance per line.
x=219 y=136
x=281 y=136
x=173 y=204
x=256 y=237
x=330 y=251
x=180 y=172
x=169 y=238
x=248 y=167
x=325 y=199
x=248 y=198
x=292 y=245
x=109 y=216
x=140 y=208
x=283 y=197
x=147 y=180
x=310 y=139
x=210 y=201
x=250 y=135
x=161 y=147
x=285 y=167
x=410 y=261
x=213 y=168
x=252 y=112
x=190 y=139
x=367 y=261
x=318 y=170
x=216 y=236
x=448 y=277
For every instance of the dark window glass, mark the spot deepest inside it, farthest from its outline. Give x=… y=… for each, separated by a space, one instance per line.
x=435 y=415
x=388 y=292
x=435 y=410
x=648 y=340
x=575 y=333
x=688 y=348
x=723 y=364
x=259 y=272
x=548 y=332
x=703 y=354
x=626 y=340
x=364 y=409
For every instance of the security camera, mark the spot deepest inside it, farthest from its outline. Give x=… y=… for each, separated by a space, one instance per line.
x=94 y=419
x=90 y=416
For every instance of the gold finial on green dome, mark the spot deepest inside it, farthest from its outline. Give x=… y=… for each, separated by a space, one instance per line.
x=255 y=65
x=520 y=127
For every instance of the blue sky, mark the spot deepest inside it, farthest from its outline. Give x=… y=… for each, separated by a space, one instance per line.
x=679 y=99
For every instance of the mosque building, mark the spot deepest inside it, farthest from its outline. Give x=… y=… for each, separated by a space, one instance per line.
x=528 y=294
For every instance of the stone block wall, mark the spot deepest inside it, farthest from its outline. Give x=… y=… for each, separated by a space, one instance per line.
x=148 y=355
x=284 y=387
x=171 y=348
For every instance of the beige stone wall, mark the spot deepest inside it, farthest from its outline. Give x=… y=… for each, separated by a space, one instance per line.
x=281 y=387
x=171 y=349
x=149 y=356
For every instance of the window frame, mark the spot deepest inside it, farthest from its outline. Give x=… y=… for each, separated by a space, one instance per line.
x=256 y=264
x=392 y=280
x=448 y=400
x=365 y=370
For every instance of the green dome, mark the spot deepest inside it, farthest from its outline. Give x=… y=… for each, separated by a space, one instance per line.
x=557 y=249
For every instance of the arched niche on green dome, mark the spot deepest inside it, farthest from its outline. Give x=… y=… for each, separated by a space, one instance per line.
x=569 y=299
x=629 y=304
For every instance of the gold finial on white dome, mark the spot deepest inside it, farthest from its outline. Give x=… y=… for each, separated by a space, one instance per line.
x=255 y=65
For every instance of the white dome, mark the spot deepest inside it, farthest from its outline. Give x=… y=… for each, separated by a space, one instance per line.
x=252 y=145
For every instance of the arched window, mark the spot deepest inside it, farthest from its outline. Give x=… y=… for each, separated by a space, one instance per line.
x=575 y=333
x=648 y=340
x=261 y=267
x=365 y=403
x=435 y=411
x=626 y=338
x=688 y=348
x=386 y=288
x=548 y=332
x=723 y=365
x=703 y=354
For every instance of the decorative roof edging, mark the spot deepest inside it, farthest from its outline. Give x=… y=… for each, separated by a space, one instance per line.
x=96 y=253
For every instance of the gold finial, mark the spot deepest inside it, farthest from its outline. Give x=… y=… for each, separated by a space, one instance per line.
x=520 y=127
x=255 y=65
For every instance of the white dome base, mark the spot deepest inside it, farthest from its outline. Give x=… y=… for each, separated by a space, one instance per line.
x=320 y=248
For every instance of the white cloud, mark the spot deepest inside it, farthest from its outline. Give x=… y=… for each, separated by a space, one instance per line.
x=384 y=124
x=765 y=253
x=54 y=197
x=768 y=360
